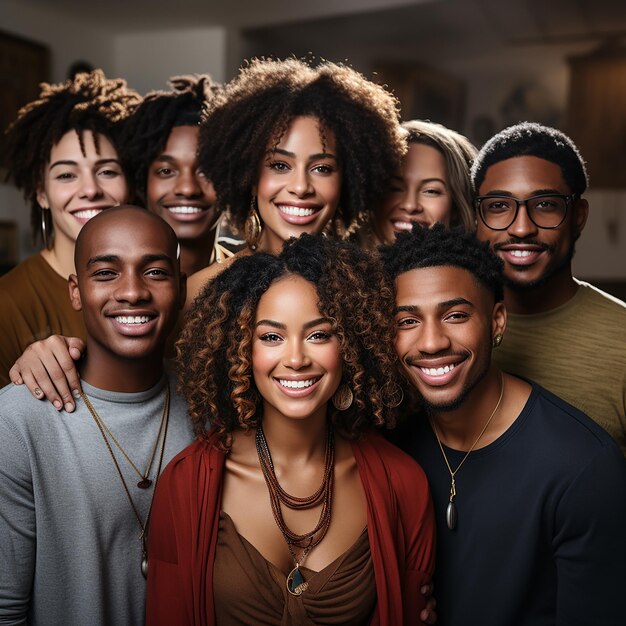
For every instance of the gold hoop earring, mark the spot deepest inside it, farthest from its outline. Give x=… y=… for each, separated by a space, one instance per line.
x=252 y=228
x=44 y=229
x=497 y=340
x=392 y=394
x=343 y=397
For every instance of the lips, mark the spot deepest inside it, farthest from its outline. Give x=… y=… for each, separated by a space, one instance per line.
x=299 y=214
x=133 y=324
x=521 y=255
x=400 y=225
x=187 y=212
x=84 y=215
x=437 y=372
x=297 y=387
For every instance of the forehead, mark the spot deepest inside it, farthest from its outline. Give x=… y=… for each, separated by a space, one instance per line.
x=306 y=134
x=524 y=175
x=424 y=161
x=69 y=148
x=289 y=297
x=183 y=140
x=430 y=286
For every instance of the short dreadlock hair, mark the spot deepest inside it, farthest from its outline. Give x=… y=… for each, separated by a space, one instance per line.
x=257 y=109
x=531 y=139
x=88 y=102
x=439 y=247
x=215 y=348
x=148 y=130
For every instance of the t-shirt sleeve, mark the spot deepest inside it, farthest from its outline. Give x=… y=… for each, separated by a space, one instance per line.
x=17 y=527
x=590 y=544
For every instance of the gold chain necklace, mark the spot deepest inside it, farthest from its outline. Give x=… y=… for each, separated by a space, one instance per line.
x=165 y=418
x=451 y=512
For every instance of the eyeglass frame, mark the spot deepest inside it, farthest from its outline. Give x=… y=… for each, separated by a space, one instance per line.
x=569 y=200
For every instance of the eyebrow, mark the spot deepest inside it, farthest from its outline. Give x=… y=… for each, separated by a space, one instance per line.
x=69 y=162
x=446 y=304
x=114 y=258
x=312 y=157
x=311 y=324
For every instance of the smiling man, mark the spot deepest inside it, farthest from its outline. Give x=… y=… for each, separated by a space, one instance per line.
x=76 y=489
x=563 y=333
x=528 y=491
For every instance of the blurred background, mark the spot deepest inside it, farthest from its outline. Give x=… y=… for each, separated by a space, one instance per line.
x=474 y=65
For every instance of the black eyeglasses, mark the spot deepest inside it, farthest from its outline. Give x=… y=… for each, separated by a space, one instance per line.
x=545 y=210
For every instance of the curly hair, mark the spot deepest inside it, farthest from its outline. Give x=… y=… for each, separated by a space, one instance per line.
x=437 y=246
x=257 y=109
x=89 y=102
x=214 y=352
x=149 y=128
x=459 y=154
x=531 y=139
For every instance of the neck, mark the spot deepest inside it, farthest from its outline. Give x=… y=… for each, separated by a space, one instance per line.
x=195 y=254
x=269 y=243
x=459 y=428
x=61 y=256
x=554 y=292
x=120 y=374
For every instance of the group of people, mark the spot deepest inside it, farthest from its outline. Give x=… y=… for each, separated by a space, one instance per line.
x=387 y=375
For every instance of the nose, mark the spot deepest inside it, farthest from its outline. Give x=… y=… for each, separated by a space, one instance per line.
x=187 y=184
x=432 y=338
x=300 y=183
x=90 y=186
x=409 y=202
x=296 y=356
x=131 y=288
x=522 y=226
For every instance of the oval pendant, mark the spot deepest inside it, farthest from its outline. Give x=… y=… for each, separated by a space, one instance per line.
x=144 y=566
x=295 y=582
x=144 y=483
x=451 y=515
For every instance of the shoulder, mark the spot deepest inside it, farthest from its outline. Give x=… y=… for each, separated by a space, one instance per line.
x=197 y=281
x=601 y=302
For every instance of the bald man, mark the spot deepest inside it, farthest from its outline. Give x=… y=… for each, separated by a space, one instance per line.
x=76 y=489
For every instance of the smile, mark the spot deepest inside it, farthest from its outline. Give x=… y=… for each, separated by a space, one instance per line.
x=297 y=384
x=296 y=211
x=437 y=371
x=406 y=225
x=137 y=319
x=86 y=214
x=521 y=253
x=186 y=210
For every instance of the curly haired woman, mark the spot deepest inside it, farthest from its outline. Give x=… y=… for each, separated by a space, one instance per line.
x=295 y=149
x=291 y=508
x=62 y=153
x=433 y=184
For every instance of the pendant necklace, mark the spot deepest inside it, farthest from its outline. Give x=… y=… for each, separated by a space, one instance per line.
x=161 y=436
x=451 y=511
x=295 y=582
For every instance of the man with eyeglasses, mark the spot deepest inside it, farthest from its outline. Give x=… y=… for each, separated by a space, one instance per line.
x=563 y=333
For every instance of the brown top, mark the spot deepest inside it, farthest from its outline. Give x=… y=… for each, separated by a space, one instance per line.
x=34 y=304
x=250 y=590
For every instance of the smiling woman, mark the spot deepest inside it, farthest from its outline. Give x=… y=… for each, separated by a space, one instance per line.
x=61 y=151
x=294 y=374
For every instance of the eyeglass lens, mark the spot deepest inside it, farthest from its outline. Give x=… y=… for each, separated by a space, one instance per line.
x=544 y=211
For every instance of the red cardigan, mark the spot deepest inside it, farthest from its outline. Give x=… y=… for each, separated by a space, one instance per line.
x=184 y=525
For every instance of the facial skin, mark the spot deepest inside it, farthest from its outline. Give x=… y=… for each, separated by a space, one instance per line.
x=445 y=324
x=296 y=361
x=299 y=184
x=178 y=191
x=532 y=256
x=419 y=194
x=77 y=187
x=129 y=289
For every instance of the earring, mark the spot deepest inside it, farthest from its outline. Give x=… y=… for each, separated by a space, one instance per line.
x=392 y=395
x=342 y=398
x=252 y=227
x=44 y=229
x=497 y=340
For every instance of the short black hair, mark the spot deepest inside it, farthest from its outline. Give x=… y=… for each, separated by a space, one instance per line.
x=531 y=139
x=148 y=130
x=438 y=247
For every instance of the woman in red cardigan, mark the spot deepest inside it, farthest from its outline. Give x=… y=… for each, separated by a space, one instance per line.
x=291 y=509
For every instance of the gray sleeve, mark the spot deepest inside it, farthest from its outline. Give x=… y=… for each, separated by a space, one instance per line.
x=590 y=544
x=17 y=526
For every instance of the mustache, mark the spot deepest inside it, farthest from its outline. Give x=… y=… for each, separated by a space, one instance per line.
x=531 y=242
x=414 y=359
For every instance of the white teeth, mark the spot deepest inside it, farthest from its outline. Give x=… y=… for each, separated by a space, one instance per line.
x=403 y=225
x=185 y=210
x=296 y=384
x=437 y=371
x=137 y=319
x=521 y=253
x=298 y=211
x=87 y=214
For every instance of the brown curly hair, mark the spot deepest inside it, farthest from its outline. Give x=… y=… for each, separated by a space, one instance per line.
x=88 y=102
x=214 y=353
x=258 y=107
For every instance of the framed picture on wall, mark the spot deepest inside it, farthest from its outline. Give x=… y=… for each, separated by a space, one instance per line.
x=23 y=65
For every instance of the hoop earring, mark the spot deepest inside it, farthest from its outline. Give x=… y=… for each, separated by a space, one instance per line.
x=497 y=340
x=393 y=395
x=252 y=228
x=342 y=398
x=44 y=229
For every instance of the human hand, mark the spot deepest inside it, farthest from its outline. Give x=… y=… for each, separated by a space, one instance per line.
x=428 y=615
x=48 y=369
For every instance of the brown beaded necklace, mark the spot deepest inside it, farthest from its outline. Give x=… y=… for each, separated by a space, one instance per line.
x=306 y=542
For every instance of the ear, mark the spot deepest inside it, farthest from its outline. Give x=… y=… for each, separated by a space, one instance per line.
x=72 y=283
x=581 y=213
x=42 y=199
x=498 y=319
x=183 y=290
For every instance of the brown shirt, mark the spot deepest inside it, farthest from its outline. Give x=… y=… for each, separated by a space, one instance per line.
x=34 y=304
x=250 y=590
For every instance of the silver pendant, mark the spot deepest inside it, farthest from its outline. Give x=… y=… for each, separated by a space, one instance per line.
x=451 y=515
x=144 y=565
